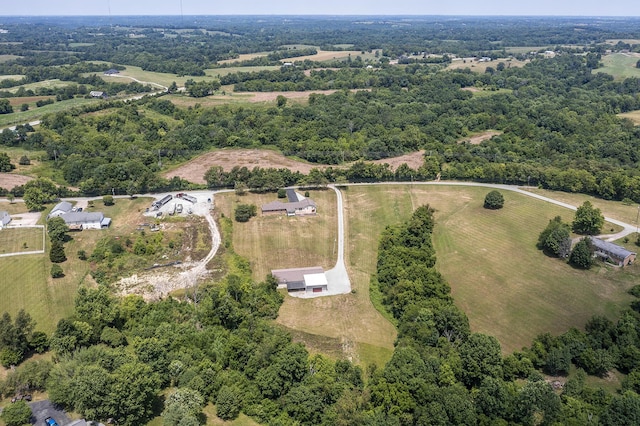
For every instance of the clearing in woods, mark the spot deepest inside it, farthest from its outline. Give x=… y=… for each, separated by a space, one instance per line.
x=634 y=116
x=507 y=287
x=194 y=170
x=620 y=65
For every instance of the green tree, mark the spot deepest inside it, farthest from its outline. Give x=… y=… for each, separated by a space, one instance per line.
x=5 y=163
x=555 y=239
x=17 y=414
x=57 y=229
x=24 y=107
x=582 y=254
x=481 y=356
x=183 y=403
x=5 y=106
x=623 y=410
x=38 y=192
x=588 y=220
x=108 y=200
x=228 y=403
x=494 y=200
x=56 y=252
x=244 y=212
x=56 y=271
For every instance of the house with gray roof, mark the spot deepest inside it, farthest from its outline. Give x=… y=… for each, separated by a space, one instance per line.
x=63 y=207
x=86 y=220
x=611 y=252
x=298 y=205
x=5 y=218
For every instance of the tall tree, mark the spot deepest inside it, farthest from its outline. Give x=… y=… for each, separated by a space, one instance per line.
x=588 y=220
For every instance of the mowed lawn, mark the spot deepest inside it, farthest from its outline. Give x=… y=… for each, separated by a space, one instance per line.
x=17 y=240
x=505 y=285
x=620 y=65
x=26 y=282
x=340 y=326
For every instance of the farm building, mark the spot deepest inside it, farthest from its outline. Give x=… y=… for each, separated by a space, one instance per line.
x=85 y=220
x=159 y=203
x=97 y=94
x=310 y=279
x=60 y=209
x=612 y=252
x=5 y=218
x=298 y=205
x=111 y=71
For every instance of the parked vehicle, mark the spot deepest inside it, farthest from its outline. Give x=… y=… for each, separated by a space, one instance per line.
x=49 y=421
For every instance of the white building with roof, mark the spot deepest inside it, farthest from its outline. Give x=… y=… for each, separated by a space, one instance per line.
x=63 y=207
x=5 y=218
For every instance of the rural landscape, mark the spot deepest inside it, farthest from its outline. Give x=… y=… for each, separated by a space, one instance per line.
x=314 y=220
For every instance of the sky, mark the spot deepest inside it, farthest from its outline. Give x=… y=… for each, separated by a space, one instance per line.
x=322 y=7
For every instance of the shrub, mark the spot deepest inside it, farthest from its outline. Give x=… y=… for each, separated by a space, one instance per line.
x=17 y=414
x=56 y=271
x=24 y=161
x=282 y=193
x=56 y=253
x=82 y=255
x=494 y=200
x=582 y=254
x=244 y=212
x=24 y=107
x=108 y=200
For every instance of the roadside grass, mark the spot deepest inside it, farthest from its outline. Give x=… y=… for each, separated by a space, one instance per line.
x=350 y=321
x=507 y=287
x=28 y=284
x=619 y=65
x=17 y=240
x=634 y=116
x=21 y=117
x=613 y=209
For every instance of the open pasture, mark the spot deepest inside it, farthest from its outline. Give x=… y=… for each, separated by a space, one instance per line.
x=506 y=286
x=634 y=116
x=481 y=67
x=21 y=117
x=620 y=65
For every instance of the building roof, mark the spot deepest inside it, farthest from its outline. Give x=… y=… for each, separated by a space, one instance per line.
x=112 y=71
x=314 y=280
x=295 y=274
x=610 y=248
x=63 y=206
x=5 y=217
x=83 y=217
x=276 y=206
x=292 y=196
x=96 y=93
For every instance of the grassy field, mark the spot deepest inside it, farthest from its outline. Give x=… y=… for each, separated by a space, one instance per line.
x=634 y=116
x=612 y=209
x=20 y=117
x=504 y=284
x=26 y=279
x=481 y=67
x=620 y=65
x=219 y=72
x=17 y=240
x=10 y=77
x=339 y=326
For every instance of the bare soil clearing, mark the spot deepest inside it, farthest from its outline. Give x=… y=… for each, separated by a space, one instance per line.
x=481 y=137
x=194 y=170
x=10 y=180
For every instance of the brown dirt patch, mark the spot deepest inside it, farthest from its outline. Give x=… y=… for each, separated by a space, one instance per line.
x=413 y=160
x=27 y=100
x=10 y=180
x=194 y=170
x=481 y=137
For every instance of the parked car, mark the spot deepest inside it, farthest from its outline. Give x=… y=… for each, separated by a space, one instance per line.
x=49 y=421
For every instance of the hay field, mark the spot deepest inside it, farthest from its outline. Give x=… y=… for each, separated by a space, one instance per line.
x=502 y=282
x=620 y=65
x=634 y=116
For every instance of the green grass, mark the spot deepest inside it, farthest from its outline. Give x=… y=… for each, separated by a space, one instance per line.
x=12 y=76
x=620 y=66
x=17 y=240
x=501 y=281
x=20 y=117
x=220 y=72
x=47 y=84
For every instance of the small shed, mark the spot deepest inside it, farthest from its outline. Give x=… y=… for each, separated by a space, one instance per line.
x=612 y=252
x=5 y=218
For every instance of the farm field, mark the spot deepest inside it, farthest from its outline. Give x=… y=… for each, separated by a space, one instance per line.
x=17 y=240
x=620 y=65
x=346 y=324
x=481 y=67
x=505 y=285
x=612 y=209
x=21 y=117
x=634 y=116
x=28 y=283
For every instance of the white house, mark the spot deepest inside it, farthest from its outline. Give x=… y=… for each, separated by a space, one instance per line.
x=311 y=280
x=298 y=205
x=59 y=209
x=86 y=220
x=5 y=218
